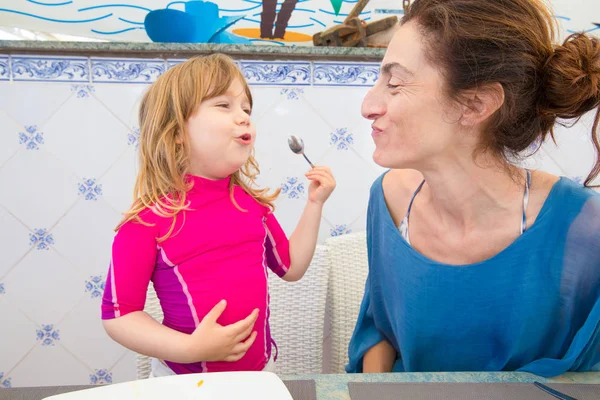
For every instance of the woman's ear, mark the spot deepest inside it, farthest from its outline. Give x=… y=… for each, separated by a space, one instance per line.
x=481 y=103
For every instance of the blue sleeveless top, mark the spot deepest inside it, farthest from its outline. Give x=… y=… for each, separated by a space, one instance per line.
x=534 y=307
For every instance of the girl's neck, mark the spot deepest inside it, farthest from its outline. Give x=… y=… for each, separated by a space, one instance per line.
x=205 y=183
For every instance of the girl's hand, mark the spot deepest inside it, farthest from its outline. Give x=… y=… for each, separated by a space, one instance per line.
x=321 y=185
x=214 y=342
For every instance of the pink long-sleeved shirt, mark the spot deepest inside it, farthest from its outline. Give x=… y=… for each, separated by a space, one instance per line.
x=215 y=252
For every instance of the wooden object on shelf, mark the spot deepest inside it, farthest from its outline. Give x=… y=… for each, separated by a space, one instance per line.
x=354 y=32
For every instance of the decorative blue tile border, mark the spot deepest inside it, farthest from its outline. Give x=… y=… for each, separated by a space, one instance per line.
x=4 y=68
x=277 y=73
x=126 y=70
x=55 y=69
x=146 y=71
x=173 y=62
x=345 y=74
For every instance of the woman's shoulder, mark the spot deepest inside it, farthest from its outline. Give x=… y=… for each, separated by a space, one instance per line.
x=568 y=194
x=572 y=207
x=396 y=188
x=397 y=183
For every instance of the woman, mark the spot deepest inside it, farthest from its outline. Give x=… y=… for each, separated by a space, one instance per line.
x=476 y=264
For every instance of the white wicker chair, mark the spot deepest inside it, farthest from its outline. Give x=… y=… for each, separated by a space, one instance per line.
x=152 y=307
x=297 y=318
x=348 y=269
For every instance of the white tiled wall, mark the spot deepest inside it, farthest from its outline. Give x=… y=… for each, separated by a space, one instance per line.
x=68 y=137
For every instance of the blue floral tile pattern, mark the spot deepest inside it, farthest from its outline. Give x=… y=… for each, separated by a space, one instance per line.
x=341 y=139
x=83 y=91
x=292 y=187
x=48 y=336
x=95 y=286
x=130 y=70
x=345 y=74
x=4 y=381
x=339 y=230
x=277 y=73
x=31 y=138
x=126 y=70
x=101 y=377
x=41 y=239
x=133 y=138
x=291 y=93
x=89 y=189
x=50 y=69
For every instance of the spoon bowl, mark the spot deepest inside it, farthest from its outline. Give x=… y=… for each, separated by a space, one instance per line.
x=297 y=146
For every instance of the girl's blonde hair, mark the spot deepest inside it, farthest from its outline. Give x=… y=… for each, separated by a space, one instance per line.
x=164 y=152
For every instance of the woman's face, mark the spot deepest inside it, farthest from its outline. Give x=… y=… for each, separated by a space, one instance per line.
x=413 y=122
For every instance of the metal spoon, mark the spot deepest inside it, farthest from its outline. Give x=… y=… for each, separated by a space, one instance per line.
x=297 y=146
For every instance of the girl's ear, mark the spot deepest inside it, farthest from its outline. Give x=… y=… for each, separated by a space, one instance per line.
x=179 y=138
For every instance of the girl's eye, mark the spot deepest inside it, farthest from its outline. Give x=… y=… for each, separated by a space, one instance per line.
x=225 y=105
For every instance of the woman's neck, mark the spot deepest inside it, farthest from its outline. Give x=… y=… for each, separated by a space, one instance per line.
x=468 y=195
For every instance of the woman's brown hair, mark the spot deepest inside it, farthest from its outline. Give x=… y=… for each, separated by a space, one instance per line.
x=477 y=43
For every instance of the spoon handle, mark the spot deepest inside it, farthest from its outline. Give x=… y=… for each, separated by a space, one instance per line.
x=306 y=158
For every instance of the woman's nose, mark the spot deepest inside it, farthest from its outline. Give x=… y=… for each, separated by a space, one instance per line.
x=373 y=105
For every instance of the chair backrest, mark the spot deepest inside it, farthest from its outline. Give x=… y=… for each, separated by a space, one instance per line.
x=152 y=307
x=298 y=316
x=348 y=269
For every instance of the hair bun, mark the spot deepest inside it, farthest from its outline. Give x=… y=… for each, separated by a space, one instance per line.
x=571 y=77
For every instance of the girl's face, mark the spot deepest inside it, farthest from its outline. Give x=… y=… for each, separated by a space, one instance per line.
x=220 y=133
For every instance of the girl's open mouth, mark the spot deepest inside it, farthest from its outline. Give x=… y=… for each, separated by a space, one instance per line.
x=246 y=139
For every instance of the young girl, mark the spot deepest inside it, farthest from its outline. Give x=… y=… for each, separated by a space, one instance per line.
x=200 y=231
